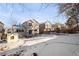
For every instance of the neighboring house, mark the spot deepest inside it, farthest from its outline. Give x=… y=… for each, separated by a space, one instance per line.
x=1 y=26
x=1 y=29
x=9 y=30
x=18 y=29
x=45 y=27
x=53 y=28
x=31 y=27
x=58 y=27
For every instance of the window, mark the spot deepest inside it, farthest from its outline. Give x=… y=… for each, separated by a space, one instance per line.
x=30 y=24
x=19 y=30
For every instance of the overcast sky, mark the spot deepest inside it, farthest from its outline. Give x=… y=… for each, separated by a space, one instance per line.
x=18 y=13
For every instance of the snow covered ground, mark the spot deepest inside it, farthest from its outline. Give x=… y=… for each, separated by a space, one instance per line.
x=47 y=45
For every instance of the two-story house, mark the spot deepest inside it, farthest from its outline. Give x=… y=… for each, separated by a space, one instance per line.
x=1 y=29
x=45 y=27
x=31 y=27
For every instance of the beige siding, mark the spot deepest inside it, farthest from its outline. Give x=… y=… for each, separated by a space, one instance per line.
x=31 y=25
x=45 y=27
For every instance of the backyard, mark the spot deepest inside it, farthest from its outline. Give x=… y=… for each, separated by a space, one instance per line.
x=45 y=45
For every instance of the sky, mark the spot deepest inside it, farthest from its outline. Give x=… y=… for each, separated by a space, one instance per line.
x=18 y=13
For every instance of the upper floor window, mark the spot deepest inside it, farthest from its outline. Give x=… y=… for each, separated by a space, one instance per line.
x=30 y=24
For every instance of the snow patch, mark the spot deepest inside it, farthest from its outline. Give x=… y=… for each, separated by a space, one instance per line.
x=33 y=42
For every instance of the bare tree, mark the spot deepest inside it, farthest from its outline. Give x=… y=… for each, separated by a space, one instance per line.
x=71 y=10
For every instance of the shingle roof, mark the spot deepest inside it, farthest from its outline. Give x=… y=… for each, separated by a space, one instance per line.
x=19 y=26
x=1 y=23
x=32 y=20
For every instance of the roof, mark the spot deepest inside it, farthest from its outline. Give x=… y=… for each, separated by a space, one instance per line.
x=35 y=21
x=48 y=22
x=1 y=23
x=32 y=20
x=19 y=26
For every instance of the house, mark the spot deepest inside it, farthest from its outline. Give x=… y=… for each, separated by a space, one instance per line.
x=18 y=29
x=31 y=27
x=1 y=29
x=45 y=27
x=8 y=30
x=58 y=27
x=53 y=27
x=1 y=26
